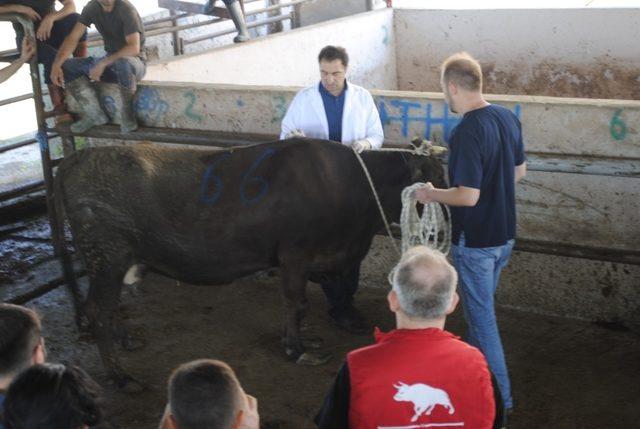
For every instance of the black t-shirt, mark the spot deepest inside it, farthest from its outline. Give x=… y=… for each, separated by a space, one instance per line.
x=114 y=26
x=484 y=149
x=43 y=7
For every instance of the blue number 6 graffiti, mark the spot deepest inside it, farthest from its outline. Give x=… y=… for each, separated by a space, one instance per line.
x=248 y=179
x=208 y=176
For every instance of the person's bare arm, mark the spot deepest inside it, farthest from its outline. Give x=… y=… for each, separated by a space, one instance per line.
x=67 y=48
x=24 y=10
x=44 y=30
x=131 y=49
x=27 y=52
x=456 y=196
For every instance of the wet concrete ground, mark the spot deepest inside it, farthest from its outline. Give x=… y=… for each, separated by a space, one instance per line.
x=565 y=373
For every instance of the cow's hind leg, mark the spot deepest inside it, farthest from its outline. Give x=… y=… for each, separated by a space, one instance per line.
x=294 y=284
x=106 y=271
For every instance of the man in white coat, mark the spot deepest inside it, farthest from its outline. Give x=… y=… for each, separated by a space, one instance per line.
x=343 y=112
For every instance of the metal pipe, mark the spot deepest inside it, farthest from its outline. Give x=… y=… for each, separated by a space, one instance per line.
x=28 y=188
x=22 y=143
x=233 y=30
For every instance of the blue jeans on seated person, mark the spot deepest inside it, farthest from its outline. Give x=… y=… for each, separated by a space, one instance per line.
x=126 y=72
x=479 y=273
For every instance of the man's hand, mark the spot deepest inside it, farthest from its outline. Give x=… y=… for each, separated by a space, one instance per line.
x=294 y=133
x=26 y=10
x=27 y=50
x=423 y=195
x=57 y=75
x=44 y=30
x=361 y=145
x=250 y=419
x=96 y=73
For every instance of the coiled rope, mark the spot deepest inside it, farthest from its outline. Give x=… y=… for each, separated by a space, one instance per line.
x=416 y=230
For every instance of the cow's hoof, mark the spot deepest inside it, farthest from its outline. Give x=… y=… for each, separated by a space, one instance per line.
x=313 y=359
x=312 y=343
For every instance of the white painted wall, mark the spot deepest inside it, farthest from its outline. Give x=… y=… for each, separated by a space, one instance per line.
x=589 y=53
x=291 y=58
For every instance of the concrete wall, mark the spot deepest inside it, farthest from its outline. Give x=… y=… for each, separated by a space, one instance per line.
x=565 y=208
x=325 y=10
x=291 y=58
x=589 y=53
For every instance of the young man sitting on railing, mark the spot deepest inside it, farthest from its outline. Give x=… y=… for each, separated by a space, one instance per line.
x=51 y=28
x=120 y=26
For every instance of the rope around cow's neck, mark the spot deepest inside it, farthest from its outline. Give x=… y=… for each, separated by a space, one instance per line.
x=415 y=229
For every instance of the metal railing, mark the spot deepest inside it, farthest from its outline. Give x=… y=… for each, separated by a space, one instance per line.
x=154 y=27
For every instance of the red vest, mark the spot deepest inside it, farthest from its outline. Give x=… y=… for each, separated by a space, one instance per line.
x=419 y=378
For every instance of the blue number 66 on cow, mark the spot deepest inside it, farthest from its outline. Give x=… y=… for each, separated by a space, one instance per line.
x=210 y=180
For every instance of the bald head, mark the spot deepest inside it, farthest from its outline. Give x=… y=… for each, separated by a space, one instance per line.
x=425 y=283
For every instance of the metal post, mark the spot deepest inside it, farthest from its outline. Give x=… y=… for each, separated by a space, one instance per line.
x=295 y=16
x=275 y=27
x=370 y=4
x=174 y=34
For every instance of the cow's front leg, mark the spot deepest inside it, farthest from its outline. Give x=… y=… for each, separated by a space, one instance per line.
x=294 y=287
x=294 y=283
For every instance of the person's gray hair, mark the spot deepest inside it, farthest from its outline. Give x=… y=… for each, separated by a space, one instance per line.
x=425 y=283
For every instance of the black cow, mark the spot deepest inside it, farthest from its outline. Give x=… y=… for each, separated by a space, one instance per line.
x=212 y=216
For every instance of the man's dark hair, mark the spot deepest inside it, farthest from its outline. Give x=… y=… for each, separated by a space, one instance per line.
x=332 y=53
x=204 y=394
x=52 y=396
x=19 y=335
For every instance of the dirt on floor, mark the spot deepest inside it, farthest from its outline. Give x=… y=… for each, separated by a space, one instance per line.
x=565 y=373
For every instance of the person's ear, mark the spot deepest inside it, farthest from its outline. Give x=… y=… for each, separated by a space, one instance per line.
x=39 y=354
x=237 y=424
x=453 y=88
x=454 y=303
x=392 y=299
x=168 y=421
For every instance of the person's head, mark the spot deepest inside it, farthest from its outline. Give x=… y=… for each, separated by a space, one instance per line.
x=461 y=80
x=52 y=396
x=333 y=61
x=21 y=344
x=423 y=286
x=206 y=394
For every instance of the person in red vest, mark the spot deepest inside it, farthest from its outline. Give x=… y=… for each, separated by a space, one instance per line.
x=418 y=375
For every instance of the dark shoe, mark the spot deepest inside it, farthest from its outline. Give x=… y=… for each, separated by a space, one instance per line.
x=349 y=320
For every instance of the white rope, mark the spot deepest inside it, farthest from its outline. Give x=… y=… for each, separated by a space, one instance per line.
x=416 y=230
x=424 y=230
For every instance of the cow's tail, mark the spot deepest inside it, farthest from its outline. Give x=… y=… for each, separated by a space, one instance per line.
x=65 y=258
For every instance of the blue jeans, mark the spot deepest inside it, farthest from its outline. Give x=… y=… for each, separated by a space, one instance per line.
x=126 y=71
x=479 y=273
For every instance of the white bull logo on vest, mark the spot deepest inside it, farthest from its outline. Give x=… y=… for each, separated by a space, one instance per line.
x=424 y=398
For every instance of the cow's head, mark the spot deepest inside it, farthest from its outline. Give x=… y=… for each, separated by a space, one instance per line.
x=403 y=392
x=427 y=164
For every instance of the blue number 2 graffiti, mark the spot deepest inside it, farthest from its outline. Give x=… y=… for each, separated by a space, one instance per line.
x=211 y=194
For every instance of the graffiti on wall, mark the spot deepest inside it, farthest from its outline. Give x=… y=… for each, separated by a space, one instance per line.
x=188 y=111
x=427 y=114
x=150 y=107
x=617 y=127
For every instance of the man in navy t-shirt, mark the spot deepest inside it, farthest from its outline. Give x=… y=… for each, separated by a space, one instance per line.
x=486 y=160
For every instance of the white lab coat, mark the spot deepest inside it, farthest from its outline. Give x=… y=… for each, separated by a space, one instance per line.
x=360 y=118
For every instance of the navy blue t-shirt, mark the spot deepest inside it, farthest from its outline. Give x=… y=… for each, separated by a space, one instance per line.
x=2 y=410
x=333 y=108
x=484 y=149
